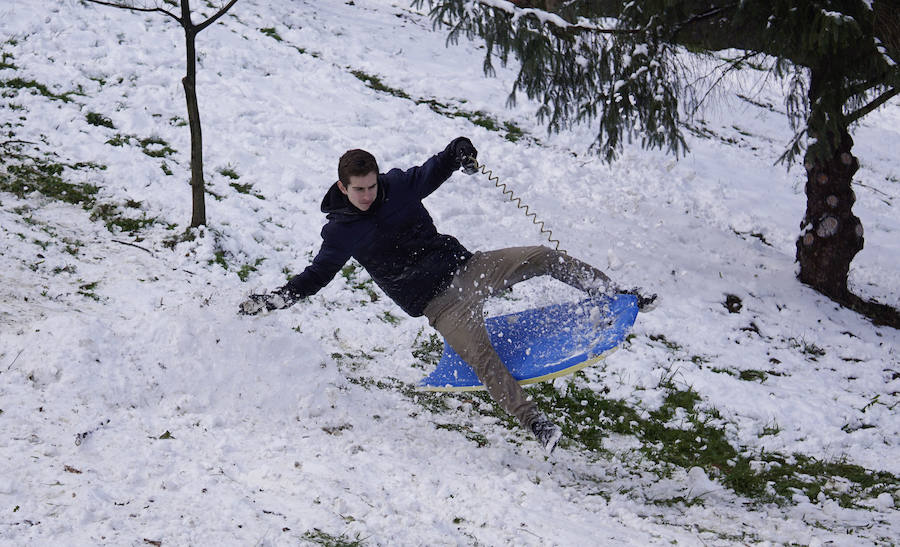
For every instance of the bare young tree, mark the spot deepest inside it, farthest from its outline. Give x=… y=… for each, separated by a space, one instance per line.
x=198 y=191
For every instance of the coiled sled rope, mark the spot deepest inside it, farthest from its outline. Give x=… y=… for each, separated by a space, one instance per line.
x=511 y=195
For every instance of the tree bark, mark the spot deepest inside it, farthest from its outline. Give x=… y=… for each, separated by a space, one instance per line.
x=198 y=189
x=831 y=235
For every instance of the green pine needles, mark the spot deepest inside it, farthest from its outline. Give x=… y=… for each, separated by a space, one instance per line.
x=579 y=72
x=627 y=66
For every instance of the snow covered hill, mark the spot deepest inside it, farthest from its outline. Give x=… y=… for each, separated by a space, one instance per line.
x=137 y=407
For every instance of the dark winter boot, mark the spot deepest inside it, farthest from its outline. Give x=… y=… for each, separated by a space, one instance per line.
x=547 y=433
x=646 y=301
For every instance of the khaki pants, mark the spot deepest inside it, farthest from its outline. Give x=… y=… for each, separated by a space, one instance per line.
x=457 y=313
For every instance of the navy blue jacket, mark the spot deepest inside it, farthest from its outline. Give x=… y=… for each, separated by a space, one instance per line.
x=395 y=240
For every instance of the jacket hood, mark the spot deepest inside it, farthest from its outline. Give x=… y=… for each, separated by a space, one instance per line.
x=336 y=204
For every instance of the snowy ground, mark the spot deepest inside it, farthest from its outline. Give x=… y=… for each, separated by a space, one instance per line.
x=137 y=408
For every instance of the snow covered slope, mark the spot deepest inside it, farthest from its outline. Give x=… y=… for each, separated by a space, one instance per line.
x=137 y=407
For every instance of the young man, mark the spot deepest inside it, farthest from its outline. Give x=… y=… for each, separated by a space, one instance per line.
x=379 y=220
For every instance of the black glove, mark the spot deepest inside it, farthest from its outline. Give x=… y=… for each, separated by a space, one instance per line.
x=464 y=153
x=276 y=300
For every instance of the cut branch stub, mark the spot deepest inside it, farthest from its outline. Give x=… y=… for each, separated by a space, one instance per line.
x=828 y=226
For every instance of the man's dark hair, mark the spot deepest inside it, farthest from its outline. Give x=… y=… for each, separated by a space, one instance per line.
x=356 y=163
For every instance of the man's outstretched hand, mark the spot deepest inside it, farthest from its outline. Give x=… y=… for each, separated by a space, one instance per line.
x=276 y=300
x=464 y=153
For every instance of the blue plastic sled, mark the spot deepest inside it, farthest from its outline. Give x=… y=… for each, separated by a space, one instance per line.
x=544 y=343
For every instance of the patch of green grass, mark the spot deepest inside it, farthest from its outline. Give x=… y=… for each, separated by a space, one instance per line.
x=247 y=269
x=742 y=132
x=389 y=317
x=219 y=258
x=17 y=84
x=87 y=289
x=433 y=402
x=678 y=501
x=45 y=177
x=771 y=429
x=811 y=350
x=661 y=338
x=353 y=361
x=5 y=61
x=753 y=376
x=217 y=197
x=271 y=33
x=511 y=131
x=471 y=435
x=119 y=140
x=72 y=247
x=246 y=189
x=229 y=172
x=116 y=221
x=680 y=434
x=329 y=540
x=351 y=272
x=155 y=147
x=846 y=483
x=699 y=360
x=374 y=82
x=69 y=245
x=99 y=120
x=428 y=350
x=172 y=241
x=129 y=225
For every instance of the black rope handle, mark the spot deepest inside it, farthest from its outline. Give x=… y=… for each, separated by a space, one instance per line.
x=511 y=195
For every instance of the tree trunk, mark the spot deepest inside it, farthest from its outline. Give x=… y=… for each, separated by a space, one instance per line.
x=198 y=189
x=831 y=235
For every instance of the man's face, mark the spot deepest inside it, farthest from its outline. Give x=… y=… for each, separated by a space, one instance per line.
x=361 y=191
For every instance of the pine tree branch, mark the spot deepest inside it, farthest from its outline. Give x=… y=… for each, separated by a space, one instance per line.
x=860 y=88
x=544 y=18
x=135 y=8
x=731 y=66
x=712 y=12
x=885 y=97
x=793 y=149
x=213 y=19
